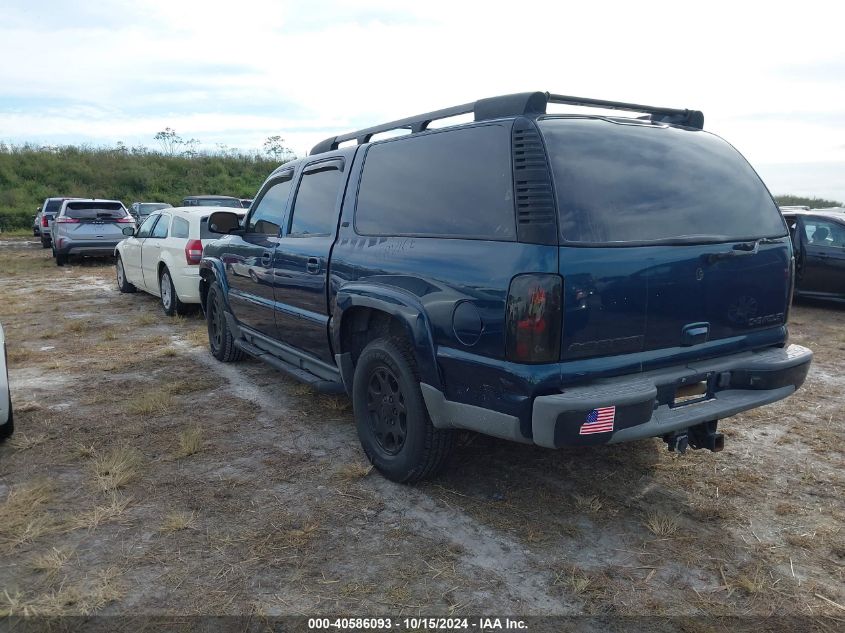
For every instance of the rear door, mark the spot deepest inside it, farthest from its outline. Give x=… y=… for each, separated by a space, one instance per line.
x=151 y=252
x=669 y=241
x=300 y=265
x=248 y=257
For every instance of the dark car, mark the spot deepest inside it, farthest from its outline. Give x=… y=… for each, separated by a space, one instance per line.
x=562 y=280
x=141 y=210
x=818 y=237
x=246 y=202
x=212 y=201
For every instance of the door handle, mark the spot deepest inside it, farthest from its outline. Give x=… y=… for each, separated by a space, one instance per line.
x=267 y=258
x=313 y=265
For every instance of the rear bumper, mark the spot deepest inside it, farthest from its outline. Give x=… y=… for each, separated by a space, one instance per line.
x=92 y=247
x=643 y=403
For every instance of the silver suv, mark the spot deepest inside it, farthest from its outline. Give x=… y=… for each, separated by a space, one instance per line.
x=45 y=217
x=88 y=227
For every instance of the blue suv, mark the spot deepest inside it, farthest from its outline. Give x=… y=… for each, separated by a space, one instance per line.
x=556 y=279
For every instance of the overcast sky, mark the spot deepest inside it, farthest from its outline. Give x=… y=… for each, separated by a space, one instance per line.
x=769 y=76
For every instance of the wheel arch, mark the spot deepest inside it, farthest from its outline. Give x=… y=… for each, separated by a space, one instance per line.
x=363 y=313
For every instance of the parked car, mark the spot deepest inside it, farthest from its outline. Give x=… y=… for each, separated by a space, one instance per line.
x=246 y=202
x=88 y=228
x=7 y=424
x=162 y=257
x=140 y=210
x=36 y=223
x=818 y=237
x=48 y=211
x=562 y=280
x=212 y=201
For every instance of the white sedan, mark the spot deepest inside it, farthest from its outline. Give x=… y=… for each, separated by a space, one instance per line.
x=6 y=424
x=162 y=257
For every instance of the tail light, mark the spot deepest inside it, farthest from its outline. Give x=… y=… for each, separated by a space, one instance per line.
x=127 y=220
x=193 y=252
x=534 y=318
x=44 y=221
x=64 y=220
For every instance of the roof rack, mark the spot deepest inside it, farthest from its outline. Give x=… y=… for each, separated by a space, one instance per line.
x=519 y=104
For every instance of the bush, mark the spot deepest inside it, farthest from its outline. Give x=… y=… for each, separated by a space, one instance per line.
x=29 y=174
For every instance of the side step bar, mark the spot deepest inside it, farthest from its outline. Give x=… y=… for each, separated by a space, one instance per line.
x=321 y=385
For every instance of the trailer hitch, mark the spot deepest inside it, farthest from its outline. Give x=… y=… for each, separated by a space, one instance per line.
x=700 y=436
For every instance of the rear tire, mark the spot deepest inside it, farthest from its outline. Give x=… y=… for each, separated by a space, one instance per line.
x=61 y=259
x=122 y=284
x=7 y=429
x=220 y=339
x=393 y=423
x=170 y=302
x=45 y=243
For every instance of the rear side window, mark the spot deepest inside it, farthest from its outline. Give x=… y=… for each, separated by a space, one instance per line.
x=180 y=228
x=824 y=233
x=315 y=207
x=456 y=183
x=53 y=206
x=618 y=182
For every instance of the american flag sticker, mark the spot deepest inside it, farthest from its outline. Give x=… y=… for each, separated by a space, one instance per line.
x=599 y=421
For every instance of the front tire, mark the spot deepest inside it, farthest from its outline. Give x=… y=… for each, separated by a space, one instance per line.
x=220 y=339
x=122 y=284
x=393 y=423
x=170 y=301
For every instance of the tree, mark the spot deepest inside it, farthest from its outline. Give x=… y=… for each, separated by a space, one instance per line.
x=169 y=141
x=274 y=147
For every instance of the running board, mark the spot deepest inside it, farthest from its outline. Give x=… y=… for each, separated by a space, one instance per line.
x=320 y=384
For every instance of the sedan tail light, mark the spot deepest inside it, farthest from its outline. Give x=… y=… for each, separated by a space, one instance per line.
x=534 y=318
x=193 y=252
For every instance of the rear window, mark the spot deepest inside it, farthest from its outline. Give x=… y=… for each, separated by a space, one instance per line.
x=95 y=210
x=618 y=182
x=455 y=183
x=53 y=206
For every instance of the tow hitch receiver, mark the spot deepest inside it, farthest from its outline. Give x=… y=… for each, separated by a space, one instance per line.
x=702 y=435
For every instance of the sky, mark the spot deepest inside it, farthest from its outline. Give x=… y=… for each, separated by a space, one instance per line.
x=769 y=76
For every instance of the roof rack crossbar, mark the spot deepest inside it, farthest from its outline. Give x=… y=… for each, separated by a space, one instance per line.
x=526 y=103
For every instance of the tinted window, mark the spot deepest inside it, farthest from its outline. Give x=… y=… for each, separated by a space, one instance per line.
x=455 y=183
x=160 y=229
x=266 y=217
x=180 y=228
x=824 y=233
x=94 y=210
x=315 y=207
x=147 y=226
x=53 y=206
x=620 y=182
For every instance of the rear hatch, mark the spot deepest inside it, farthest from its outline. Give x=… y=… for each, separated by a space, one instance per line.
x=669 y=241
x=95 y=221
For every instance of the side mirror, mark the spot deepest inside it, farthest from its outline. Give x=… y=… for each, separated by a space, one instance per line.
x=223 y=222
x=128 y=231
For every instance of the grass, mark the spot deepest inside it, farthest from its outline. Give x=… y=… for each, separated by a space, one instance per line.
x=177 y=521
x=23 y=516
x=190 y=442
x=87 y=596
x=352 y=472
x=587 y=503
x=116 y=468
x=24 y=442
x=157 y=402
x=661 y=524
x=51 y=561
x=99 y=515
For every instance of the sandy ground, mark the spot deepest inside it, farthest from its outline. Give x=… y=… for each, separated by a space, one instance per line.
x=147 y=478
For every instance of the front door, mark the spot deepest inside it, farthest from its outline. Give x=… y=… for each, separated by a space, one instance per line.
x=131 y=251
x=248 y=257
x=300 y=266
x=151 y=253
x=823 y=265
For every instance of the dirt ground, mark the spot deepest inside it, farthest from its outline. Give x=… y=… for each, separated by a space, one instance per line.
x=145 y=477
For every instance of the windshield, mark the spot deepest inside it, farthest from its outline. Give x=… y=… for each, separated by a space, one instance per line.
x=95 y=210
x=53 y=206
x=621 y=182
